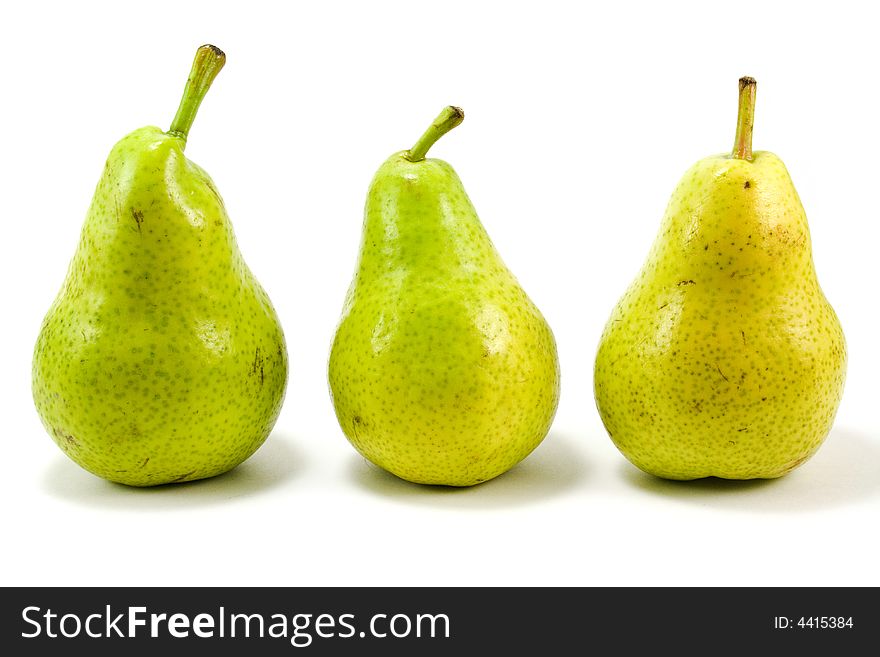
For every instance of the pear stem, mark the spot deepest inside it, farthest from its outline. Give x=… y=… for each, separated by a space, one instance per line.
x=745 y=120
x=206 y=65
x=448 y=119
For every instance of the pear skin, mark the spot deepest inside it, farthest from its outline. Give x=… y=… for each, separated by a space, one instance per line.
x=162 y=359
x=442 y=370
x=724 y=357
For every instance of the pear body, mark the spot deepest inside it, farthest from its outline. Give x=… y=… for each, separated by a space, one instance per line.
x=442 y=371
x=162 y=359
x=724 y=358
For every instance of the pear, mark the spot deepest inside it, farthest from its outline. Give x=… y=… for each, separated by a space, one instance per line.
x=162 y=359
x=724 y=358
x=442 y=371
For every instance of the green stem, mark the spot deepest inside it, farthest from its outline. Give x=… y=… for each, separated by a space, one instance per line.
x=745 y=120
x=206 y=65
x=448 y=119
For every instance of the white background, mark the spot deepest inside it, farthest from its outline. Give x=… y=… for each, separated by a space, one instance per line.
x=580 y=121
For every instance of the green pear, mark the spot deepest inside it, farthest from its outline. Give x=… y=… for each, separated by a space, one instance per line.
x=442 y=371
x=162 y=359
x=724 y=358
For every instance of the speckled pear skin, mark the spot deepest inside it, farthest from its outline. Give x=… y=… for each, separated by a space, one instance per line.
x=442 y=371
x=162 y=359
x=724 y=358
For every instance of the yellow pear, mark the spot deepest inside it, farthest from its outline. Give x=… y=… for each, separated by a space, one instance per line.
x=724 y=358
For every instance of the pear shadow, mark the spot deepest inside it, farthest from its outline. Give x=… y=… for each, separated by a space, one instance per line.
x=845 y=471
x=271 y=466
x=556 y=466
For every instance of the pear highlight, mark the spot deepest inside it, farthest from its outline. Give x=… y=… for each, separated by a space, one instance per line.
x=442 y=371
x=724 y=357
x=162 y=359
